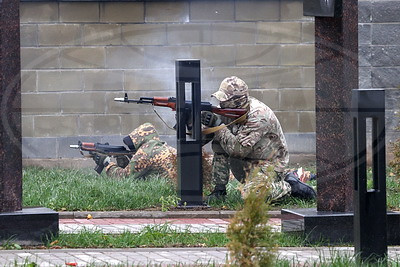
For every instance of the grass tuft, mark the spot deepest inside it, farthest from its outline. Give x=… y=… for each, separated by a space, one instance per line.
x=62 y=189
x=151 y=236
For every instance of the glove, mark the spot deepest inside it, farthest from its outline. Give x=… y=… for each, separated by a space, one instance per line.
x=122 y=161
x=209 y=119
x=102 y=160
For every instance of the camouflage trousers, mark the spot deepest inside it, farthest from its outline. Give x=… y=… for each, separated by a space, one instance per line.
x=241 y=170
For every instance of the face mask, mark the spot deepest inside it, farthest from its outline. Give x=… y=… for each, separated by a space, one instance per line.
x=214 y=101
x=235 y=102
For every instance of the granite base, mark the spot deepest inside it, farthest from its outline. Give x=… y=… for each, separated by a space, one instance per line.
x=332 y=227
x=29 y=226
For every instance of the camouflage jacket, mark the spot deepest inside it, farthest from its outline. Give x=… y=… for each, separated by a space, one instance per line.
x=259 y=138
x=152 y=156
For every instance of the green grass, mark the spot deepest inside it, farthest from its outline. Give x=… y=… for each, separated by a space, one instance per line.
x=233 y=199
x=160 y=236
x=151 y=236
x=393 y=191
x=73 y=190
x=293 y=203
x=155 y=236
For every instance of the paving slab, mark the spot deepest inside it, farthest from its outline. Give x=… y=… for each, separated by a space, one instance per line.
x=137 y=214
x=158 y=256
x=116 y=226
x=165 y=256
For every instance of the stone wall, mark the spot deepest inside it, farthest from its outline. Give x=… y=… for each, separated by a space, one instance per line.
x=78 y=56
x=379 y=55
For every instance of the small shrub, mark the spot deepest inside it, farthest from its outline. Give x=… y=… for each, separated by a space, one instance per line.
x=252 y=242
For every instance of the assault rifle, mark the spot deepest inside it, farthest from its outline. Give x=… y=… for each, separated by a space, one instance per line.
x=103 y=149
x=170 y=102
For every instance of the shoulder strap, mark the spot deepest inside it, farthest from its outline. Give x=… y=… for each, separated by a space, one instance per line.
x=217 y=128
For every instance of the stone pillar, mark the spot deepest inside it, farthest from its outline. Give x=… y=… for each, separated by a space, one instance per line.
x=336 y=74
x=10 y=108
x=28 y=226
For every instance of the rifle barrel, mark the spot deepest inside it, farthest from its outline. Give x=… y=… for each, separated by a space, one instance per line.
x=139 y=101
x=74 y=146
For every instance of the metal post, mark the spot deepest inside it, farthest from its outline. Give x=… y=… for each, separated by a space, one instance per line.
x=190 y=172
x=370 y=229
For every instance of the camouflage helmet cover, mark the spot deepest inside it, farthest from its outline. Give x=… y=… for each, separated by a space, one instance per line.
x=231 y=87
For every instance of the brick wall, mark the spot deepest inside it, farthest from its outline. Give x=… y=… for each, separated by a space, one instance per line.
x=78 y=56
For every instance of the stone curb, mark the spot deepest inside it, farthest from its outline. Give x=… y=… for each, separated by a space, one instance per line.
x=153 y=214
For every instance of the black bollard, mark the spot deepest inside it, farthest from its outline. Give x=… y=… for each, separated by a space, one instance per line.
x=370 y=222
x=190 y=172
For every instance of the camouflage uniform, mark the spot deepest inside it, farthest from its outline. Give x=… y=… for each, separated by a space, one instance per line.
x=257 y=143
x=152 y=156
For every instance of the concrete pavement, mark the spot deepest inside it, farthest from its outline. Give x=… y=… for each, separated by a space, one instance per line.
x=115 y=226
x=164 y=256
x=117 y=222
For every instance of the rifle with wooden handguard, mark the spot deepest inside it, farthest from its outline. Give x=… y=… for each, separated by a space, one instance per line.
x=170 y=102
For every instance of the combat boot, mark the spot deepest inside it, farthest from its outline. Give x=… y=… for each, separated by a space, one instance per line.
x=218 y=193
x=300 y=189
